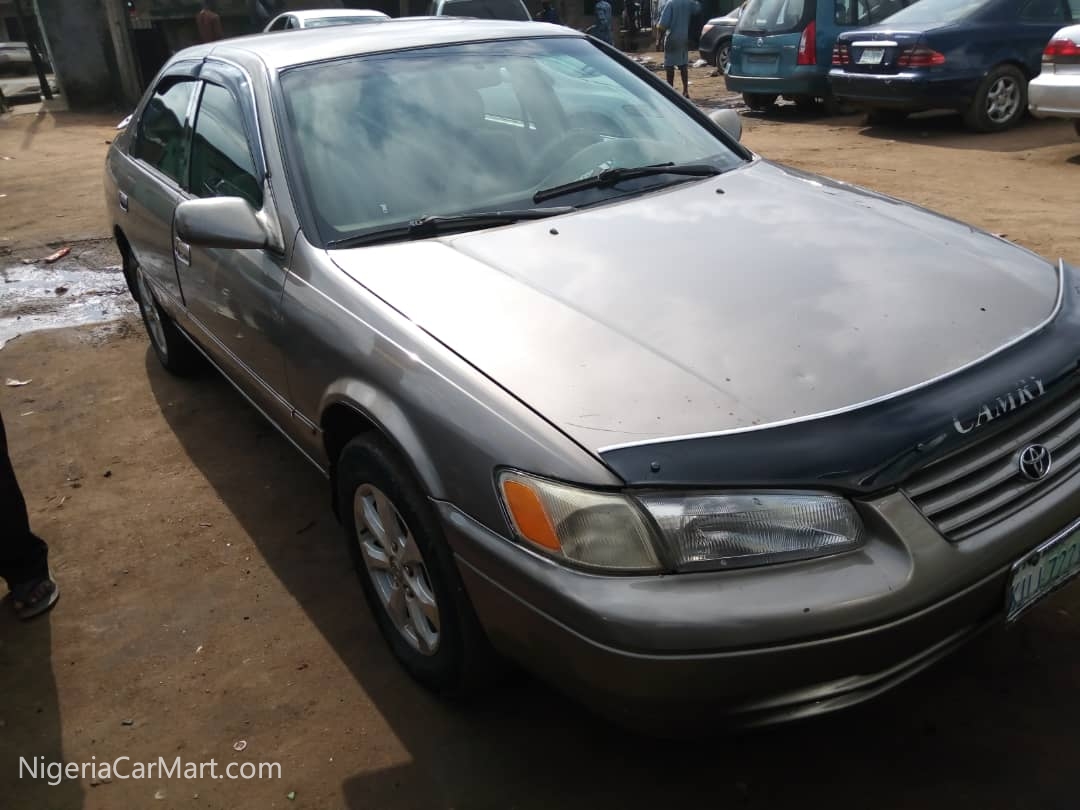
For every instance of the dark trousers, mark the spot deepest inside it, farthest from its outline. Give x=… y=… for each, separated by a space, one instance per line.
x=24 y=557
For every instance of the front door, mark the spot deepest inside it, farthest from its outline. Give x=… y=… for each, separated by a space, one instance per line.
x=233 y=296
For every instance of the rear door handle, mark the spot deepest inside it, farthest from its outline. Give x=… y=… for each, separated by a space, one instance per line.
x=182 y=250
x=123 y=201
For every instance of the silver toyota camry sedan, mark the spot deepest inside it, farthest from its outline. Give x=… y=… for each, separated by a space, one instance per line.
x=456 y=264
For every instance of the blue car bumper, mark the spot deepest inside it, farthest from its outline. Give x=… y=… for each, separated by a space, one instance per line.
x=904 y=91
x=808 y=82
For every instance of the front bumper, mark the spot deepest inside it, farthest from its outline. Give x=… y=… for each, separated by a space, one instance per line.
x=1055 y=95
x=685 y=652
x=903 y=91
x=801 y=82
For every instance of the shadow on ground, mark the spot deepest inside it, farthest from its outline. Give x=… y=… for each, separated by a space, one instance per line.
x=993 y=727
x=30 y=715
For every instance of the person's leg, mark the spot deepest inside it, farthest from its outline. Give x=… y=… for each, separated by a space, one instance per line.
x=24 y=557
x=684 y=73
x=670 y=70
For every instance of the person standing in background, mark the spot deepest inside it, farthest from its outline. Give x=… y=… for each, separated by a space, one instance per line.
x=208 y=21
x=24 y=557
x=548 y=13
x=675 y=23
x=602 y=29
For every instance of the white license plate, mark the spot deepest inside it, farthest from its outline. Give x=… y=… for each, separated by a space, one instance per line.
x=1044 y=570
x=871 y=56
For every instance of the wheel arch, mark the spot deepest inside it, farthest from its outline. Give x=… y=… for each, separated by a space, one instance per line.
x=353 y=408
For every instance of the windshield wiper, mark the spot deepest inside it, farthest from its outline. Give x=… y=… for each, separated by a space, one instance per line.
x=610 y=177
x=433 y=225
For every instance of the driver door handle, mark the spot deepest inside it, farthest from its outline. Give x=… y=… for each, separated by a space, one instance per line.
x=182 y=250
x=123 y=201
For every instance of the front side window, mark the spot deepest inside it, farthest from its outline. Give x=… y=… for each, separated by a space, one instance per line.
x=221 y=162
x=326 y=22
x=160 y=139
x=390 y=138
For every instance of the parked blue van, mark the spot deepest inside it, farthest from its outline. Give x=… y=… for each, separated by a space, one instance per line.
x=784 y=47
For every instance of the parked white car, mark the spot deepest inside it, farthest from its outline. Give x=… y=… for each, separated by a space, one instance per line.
x=321 y=18
x=1055 y=93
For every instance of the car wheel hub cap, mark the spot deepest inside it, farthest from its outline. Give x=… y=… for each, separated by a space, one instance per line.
x=1003 y=100
x=150 y=310
x=397 y=569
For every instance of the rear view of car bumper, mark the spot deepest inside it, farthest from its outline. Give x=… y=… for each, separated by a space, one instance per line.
x=902 y=91
x=1055 y=95
x=800 y=83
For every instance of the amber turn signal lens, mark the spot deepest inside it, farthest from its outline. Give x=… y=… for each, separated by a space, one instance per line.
x=530 y=519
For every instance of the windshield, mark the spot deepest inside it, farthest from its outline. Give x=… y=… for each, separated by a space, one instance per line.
x=323 y=22
x=385 y=139
x=485 y=9
x=936 y=11
x=776 y=16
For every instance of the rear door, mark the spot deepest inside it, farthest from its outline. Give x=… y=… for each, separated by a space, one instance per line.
x=234 y=296
x=1039 y=21
x=149 y=185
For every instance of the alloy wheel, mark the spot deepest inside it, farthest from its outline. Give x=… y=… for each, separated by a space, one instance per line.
x=723 y=58
x=1003 y=99
x=397 y=569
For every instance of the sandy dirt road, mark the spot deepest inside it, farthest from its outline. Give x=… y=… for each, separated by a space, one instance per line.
x=207 y=597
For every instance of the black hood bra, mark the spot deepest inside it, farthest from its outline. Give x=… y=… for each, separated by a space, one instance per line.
x=878 y=444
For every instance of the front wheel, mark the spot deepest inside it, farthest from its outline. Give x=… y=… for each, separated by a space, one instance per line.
x=760 y=102
x=1000 y=101
x=408 y=574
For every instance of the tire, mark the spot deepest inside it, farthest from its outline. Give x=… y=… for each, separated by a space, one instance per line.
x=1000 y=101
x=173 y=350
x=1076 y=126
x=885 y=117
x=415 y=593
x=759 y=102
x=722 y=56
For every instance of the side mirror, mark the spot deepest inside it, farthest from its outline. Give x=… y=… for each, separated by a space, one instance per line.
x=221 y=222
x=729 y=121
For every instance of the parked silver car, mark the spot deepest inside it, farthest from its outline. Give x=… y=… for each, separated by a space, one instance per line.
x=456 y=264
x=323 y=18
x=1055 y=92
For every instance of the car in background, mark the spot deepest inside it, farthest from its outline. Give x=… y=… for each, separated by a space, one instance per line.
x=1055 y=93
x=715 y=43
x=783 y=47
x=323 y=18
x=972 y=56
x=481 y=9
x=15 y=59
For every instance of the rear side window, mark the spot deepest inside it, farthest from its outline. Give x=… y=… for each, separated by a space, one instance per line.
x=866 y=12
x=1074 y=9
x=777 y=16
x=1042 y=11
x=221 y=162
x=159 y=139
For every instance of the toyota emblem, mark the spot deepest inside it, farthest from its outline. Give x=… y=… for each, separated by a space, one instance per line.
x=760 y=42
x=1035 y=462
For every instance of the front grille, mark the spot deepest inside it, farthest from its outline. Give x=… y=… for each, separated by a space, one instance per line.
x=981 y=485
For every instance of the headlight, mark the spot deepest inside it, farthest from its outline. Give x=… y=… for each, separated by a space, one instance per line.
x=736 y=530
x=706 y=28
x=594 y=529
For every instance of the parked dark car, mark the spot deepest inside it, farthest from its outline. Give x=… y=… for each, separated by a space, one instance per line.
x=973 y=56
x=715 y=44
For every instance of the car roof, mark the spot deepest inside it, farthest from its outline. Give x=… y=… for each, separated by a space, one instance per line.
x=321 y=13
x=284 y=49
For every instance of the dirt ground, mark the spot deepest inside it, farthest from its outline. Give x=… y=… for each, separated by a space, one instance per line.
x=207 y=597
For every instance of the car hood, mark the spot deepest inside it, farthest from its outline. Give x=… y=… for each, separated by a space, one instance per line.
x=756 y=297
